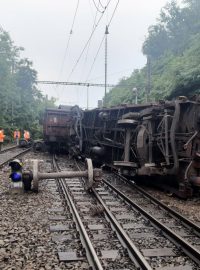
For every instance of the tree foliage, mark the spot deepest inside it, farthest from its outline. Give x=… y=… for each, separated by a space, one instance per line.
x=21 y=103
x=173 y=45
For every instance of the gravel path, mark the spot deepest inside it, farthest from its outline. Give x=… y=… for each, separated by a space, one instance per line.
x=25 y=239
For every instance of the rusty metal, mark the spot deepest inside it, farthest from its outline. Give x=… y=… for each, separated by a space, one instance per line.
x=91 y=176
x=61 y=127
x=158 y=139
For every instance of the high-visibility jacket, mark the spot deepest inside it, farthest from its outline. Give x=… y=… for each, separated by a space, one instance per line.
x=26 y=135
x=17 y=134
x=2 y=136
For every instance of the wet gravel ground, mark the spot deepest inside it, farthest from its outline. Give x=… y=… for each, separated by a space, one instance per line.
x=189 y=208
x=25 y=238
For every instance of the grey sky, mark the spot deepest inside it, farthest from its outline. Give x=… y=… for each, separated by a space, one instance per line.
x=42 y=27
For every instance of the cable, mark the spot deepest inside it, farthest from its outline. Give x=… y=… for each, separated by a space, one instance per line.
x=101 y=4
x=102 y=39
x=89 y=42
x=90 y=37
x=97 y=7
x=84 y=64
x=113 y=13
x=95 y=58
x=75 y=15
x=71 y=32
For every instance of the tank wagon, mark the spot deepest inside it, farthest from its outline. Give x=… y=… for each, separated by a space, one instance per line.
x=158 y=141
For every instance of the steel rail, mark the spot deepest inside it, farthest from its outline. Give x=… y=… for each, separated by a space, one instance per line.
x=188 y=249
x=7 y=149
x=90 y=251
x=188 y=223
x=132 y=250
x=10 y=159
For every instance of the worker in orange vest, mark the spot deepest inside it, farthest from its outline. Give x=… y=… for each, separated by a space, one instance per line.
x=27 y=135
x=17 y=136
x=2 y=136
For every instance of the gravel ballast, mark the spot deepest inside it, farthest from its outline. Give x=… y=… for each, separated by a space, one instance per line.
x=25 y=238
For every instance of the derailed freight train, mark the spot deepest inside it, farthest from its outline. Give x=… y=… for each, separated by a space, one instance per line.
x=159 y=142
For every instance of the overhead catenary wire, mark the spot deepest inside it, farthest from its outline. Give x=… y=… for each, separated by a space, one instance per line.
x=88 y=47
x=88 y=41
x=69 y=38
x=97 y=7
x=113 y=13
x=95 y=58
x=101 y=4
x=102 y=39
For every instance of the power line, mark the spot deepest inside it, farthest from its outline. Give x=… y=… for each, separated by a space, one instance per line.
x=70 y=34
x=90 y=40
x=95 y=58
x=101 y=4
x=75 y=15
x=88 y=47
x=90 y=37
x=113 y=13
x=97 y=6
x=102 y=39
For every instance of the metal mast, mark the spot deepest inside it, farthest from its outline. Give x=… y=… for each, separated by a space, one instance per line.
x=106 y=51
x=148 y=76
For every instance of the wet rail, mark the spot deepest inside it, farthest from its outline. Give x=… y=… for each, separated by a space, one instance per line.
x=11 y=153
x=103 y=243
x=8 y=149
x=106 y=229
x=166 y=239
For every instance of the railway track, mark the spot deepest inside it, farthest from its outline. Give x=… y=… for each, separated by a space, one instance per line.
x=8 y=148
x=105 y=229
x=99 y=246
x=10 y=153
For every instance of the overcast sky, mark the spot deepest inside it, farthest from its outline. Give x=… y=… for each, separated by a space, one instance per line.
x=43 y=27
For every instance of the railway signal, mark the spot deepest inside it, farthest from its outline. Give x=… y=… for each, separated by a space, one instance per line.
x=16 y=176
x=19 y=177
x=16 y=171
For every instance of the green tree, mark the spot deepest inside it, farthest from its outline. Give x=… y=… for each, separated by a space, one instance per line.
x=21 y=103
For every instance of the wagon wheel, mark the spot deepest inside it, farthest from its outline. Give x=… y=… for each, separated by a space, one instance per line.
x=90 y=178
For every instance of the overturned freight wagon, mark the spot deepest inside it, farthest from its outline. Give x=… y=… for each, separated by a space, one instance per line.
x=158 y=141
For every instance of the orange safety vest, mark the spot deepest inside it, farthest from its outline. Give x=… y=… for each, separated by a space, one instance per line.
x=16 y=134
x=2 y=136
x=26 y=135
